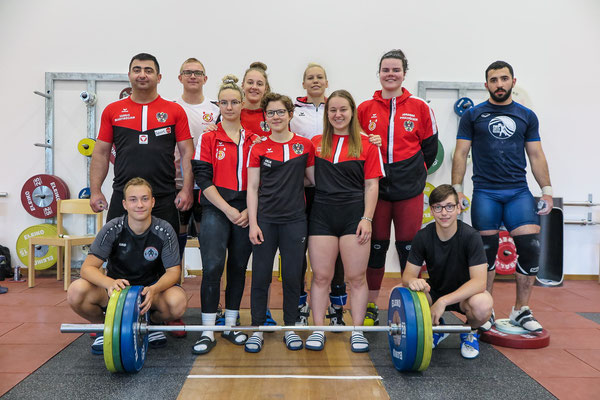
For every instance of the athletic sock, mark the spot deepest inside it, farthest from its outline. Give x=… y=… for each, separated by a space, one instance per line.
x=209 y=319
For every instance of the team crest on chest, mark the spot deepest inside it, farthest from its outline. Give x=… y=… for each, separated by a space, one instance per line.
x=207 y=117
x=502 y=127
x=220 y=154
x=372 y=125
x=298 y=148
x=264 y=126
x=162 y=116
x=409 y=125
x=150 y=253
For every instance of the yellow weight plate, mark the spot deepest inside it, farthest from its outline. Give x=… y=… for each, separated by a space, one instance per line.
x=45 y=256
x=427 y=331
x=109 y=321
x=427 y=216
x=86 y=146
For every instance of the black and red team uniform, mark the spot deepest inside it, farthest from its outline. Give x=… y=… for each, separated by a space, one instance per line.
x=340 y=186
x=145 y=136
x=408 y=131
x=254 y=121
x=219 y=161
x=282 y=219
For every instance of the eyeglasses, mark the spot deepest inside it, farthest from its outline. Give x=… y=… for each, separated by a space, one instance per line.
x=188 y=72
x=271 y=113
x=438 y=208
x=224 y=103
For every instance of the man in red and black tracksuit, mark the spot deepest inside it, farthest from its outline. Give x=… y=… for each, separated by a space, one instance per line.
x=144 y=129
x=408 y=130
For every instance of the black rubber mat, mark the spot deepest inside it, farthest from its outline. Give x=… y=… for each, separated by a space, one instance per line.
x=591 y=316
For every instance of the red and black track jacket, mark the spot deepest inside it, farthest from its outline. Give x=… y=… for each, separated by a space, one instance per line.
x=219 y=161
x=409 y=137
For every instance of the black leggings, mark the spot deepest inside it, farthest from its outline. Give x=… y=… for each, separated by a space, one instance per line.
x=290 y=238
x=218 y=237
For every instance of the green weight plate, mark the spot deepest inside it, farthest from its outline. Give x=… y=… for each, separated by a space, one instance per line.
x=439 y=159
x=420 y=333
x=116 y=337
x=427 y=331
x=109 y=320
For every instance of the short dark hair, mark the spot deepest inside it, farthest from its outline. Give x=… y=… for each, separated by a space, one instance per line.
x=499 y=65
x=269 y=97
x=397 y=54
x=145 y=57
x=441 y=192
x=137 y=181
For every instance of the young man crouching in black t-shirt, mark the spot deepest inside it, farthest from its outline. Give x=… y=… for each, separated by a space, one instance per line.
x=140 y=250
x=457 y=268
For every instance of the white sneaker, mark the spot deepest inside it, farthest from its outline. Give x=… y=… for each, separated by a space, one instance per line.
x=524 y=318
x=489 y=323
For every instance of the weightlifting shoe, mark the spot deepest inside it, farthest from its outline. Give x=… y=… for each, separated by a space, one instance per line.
x=489 y=323
x=270 y=321
x=469 y=345
x=177 y=334
x=524 y=319
x=335 y=315
x=372 y=315
x=303 y=314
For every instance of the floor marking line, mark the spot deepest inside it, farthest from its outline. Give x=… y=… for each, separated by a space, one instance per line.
x=331 y=377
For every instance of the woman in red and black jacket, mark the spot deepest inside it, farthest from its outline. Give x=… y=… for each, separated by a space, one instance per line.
x=408 y=131
x=220 y=171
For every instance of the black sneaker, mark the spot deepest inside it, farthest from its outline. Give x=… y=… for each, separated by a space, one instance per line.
x=336 y=315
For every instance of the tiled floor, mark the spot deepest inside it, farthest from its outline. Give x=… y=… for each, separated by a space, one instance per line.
x=569 y=367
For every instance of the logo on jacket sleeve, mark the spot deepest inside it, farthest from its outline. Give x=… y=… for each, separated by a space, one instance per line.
x=409 y=125
x=162 y=117
x=150 y=253
x=298 y=148
x=502 y=127
x=372 y=125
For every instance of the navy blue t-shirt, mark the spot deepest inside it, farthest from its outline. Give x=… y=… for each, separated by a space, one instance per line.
x=498 y=135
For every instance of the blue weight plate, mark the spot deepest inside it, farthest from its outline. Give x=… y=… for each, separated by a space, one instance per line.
x=133 y=345
x=462 y=105
x=403 y=346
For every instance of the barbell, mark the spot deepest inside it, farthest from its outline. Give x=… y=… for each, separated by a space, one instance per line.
x=125 y=330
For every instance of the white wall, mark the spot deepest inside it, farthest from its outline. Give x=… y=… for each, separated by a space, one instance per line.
x=553 y=45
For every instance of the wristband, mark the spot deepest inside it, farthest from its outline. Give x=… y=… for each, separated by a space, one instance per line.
x=367 y=218
x=458 y=187
x=547 y=190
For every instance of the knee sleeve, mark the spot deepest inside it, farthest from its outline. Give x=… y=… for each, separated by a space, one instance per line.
x=379 y=250
x=528 y=249
x=490 y=245
x=338 y=295
x=403 y=248
x=182 y=240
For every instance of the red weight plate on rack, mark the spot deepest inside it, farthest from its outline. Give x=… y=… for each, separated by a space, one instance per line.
x=40 y=195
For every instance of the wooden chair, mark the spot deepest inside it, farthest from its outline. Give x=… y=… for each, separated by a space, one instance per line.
x=63 y=241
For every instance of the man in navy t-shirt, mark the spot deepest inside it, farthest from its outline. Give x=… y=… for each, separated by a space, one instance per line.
x=501 y=132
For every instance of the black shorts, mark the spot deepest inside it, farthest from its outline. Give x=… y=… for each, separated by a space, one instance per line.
x=451 y=307
x=195 y=210
x=335 y=219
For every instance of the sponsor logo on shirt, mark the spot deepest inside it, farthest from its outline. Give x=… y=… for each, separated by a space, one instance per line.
x=502 y=127
x=267 y=163
x=207 y=117
x=269 y=150
x=163 y=131
x=220 y=144
x=143 y=139
x=298 y=148
x=150 y=253
x=220 y=154
x=162 y=116
x=124 y=115
x=485 y=115
x=409 y=125
x=123 y=244
x=301 y=114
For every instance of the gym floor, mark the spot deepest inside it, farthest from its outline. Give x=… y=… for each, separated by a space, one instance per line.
x=34 y=355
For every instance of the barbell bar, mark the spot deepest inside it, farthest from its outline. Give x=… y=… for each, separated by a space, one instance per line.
x=145 y=328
